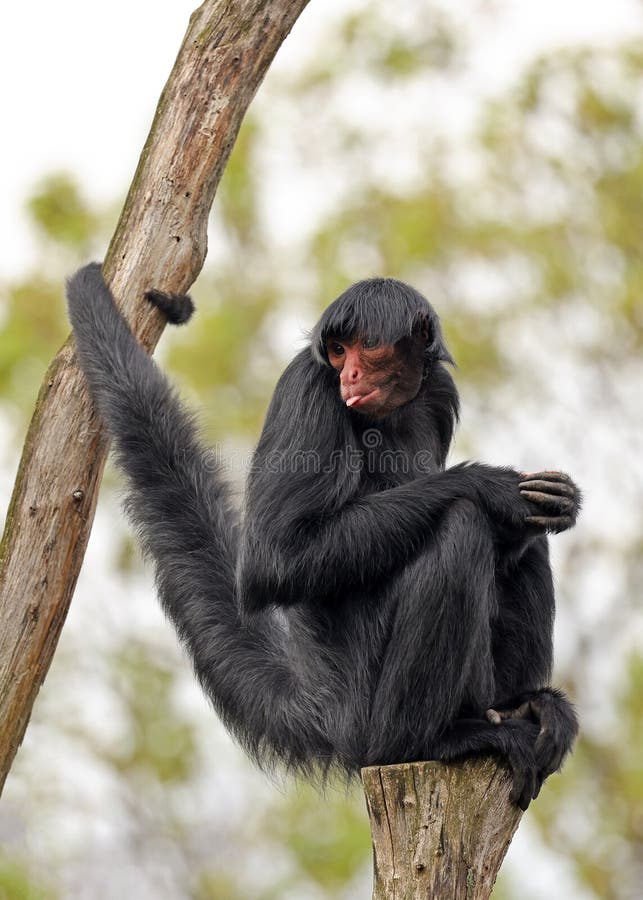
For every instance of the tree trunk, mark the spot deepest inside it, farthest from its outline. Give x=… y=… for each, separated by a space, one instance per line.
x=440 y=832
x=160 y=241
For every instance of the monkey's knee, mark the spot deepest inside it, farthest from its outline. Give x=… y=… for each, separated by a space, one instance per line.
x=465 y=541
x=464 y=518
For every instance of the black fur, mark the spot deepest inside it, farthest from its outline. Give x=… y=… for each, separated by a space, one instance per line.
x=178 y=308
x=383 y=310
x=372 y=605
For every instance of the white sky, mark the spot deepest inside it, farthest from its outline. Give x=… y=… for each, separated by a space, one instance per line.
x=80 y=83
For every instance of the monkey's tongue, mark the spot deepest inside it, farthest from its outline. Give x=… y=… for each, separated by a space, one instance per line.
x=359 y=398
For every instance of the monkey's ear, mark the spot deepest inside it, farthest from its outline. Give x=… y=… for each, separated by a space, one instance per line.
x=431 y=332
x=424 y=331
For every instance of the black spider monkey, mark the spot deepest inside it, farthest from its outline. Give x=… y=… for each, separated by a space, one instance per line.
x=372 y=607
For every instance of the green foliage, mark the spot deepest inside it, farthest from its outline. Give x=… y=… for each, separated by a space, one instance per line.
x=61 y=213
x=584 y=243
x=329 y=836
x=218 y=359
x=161 y=742
x=17 y=884
x=32 y=309
x=219 y=885
x=327 y=840
x=386 y=45
x=33 y=327
x=236 y=200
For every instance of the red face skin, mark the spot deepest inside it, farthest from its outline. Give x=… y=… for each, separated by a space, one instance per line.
x=377 y=380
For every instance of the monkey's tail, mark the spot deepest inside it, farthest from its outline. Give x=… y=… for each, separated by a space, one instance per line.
x=178 y=308
x=179 y=504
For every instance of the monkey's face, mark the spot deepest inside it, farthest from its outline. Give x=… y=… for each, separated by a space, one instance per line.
x=377 y=379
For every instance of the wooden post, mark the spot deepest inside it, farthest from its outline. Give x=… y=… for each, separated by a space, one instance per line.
x=440 y=832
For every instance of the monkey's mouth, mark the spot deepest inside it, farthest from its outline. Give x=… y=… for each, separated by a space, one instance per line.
x=359 y=399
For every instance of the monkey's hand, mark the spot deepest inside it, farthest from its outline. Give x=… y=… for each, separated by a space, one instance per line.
x=554 y=499
x=553 y=713
x=178 y=308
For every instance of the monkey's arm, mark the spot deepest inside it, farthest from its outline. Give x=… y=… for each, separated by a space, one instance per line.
x=178 y=501
x=290 y=552
x=302 y=540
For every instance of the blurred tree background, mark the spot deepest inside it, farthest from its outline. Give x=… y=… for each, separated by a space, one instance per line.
x=521 y=219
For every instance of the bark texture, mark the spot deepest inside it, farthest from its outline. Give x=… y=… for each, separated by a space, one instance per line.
x=440 y=832
x=161 y=242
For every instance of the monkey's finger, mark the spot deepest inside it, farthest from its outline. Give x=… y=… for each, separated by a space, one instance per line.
x=518 y=788
x=556 y=760
x=520 y=712
x=546 y=751
x=493 y=716
x=554 y=477
x=550 y=760
x=553 y=524
x=528 y=788
x=550 y=751
x=524 y=711
x=552 y=502
x=548 y=487
x=540 y=779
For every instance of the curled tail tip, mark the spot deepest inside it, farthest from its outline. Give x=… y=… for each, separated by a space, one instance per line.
x=178 y=308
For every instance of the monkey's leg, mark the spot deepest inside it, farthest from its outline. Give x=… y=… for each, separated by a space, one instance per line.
x=438 y=660
x=523 y=654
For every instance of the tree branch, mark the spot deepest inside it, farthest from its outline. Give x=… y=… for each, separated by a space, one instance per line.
x=160 y=241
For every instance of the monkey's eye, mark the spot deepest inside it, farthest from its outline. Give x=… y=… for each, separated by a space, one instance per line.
x=335 y=348
x=370 y=343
